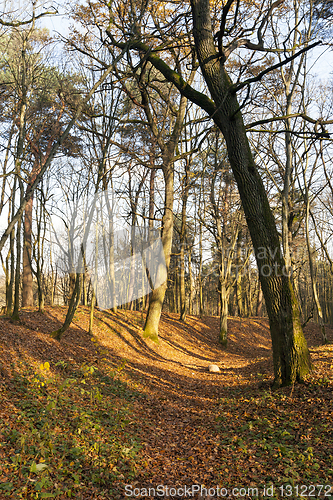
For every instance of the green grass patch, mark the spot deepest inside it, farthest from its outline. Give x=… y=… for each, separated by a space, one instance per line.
x=278 y=438
x=68 y=433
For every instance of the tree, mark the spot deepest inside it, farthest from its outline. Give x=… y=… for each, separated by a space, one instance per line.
x=166 y=137
x=63 y=134
x=290 y=353
x=222 y=220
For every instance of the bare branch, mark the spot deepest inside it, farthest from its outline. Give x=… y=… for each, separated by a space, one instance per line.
x=17 y=24
x=264 y=22
x=53 y=152
x=286 y=117
x=257 y=78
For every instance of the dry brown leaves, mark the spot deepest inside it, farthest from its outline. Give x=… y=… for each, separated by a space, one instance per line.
x=177 y=417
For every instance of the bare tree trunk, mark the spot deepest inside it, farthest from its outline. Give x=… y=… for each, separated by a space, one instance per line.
x=290 y=353
x=239 y=292
x=91 y=315
x=15 y=316
x=232 y=304
x=250 y=298
x=201 y=304
x=182 y=284
x=111 y=269
x=190 y=273
x=39 y=277
x=286 y=186
x=10 y=287
x=84 y=287
x=108 y=241
x=27 y=280
x=186 y=188
x=52 y=278
x=224 y=301
x=157 y=295
x=311 y=265
x=174 y=294
x=39 y=258
x=73 y=303
x=152 y=194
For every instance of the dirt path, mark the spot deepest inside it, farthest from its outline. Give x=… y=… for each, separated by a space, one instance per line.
x=183 y=444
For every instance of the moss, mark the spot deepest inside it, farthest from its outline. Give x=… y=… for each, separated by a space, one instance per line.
x=223 y=339
x=151 y=334
x=57 y=334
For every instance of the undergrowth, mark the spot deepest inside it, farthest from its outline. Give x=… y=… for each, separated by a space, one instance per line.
x=67 y=433
x=279 y=439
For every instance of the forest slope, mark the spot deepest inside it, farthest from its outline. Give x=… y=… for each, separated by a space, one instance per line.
x=84 y=417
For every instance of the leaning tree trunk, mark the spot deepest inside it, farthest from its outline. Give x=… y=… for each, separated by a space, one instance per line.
x=157 y=295
x=73 y=303
x=290 y=353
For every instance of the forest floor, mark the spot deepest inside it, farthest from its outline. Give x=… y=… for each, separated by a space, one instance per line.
x=114 y=416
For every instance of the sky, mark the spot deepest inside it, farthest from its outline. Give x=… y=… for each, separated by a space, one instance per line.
x=320 y=58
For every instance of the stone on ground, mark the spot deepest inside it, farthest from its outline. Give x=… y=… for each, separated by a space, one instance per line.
x=213 y=368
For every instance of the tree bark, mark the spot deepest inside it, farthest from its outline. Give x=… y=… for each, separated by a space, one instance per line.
x=286 y=186
x=201 y=304
x=91 y=314
x=157 y=295
x=186 y=188
x=40 y=262
x=191 y=280
x=239 y=292
x=15 y=316
x=10 y=287
x=311 y=263
x=224 y=302
x=290 y=353
x=73 y=303
x=109 y=249
x=27 y=280
x=152 y=194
